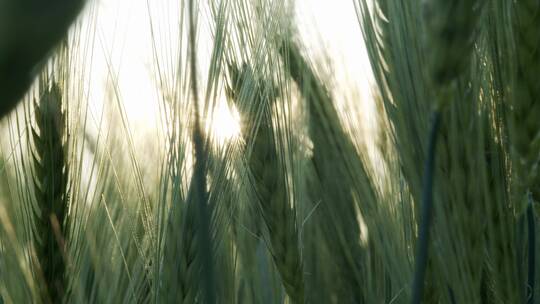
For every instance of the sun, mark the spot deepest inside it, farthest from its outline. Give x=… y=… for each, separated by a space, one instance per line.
x=225 y=123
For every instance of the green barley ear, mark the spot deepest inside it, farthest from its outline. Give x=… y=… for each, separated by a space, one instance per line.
x=50 y=189
x=341 y=178
x=182 y=277
x=450 y=34
x=269 y=177
x=524 y=116
x=524 y=122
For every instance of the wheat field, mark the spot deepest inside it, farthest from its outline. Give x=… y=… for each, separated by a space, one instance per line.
x=248 y=159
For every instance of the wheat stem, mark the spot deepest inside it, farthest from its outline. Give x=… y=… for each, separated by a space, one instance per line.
x=450 y=27
x=426 y=213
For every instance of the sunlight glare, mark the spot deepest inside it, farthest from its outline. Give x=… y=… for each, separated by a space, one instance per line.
x=225 y=124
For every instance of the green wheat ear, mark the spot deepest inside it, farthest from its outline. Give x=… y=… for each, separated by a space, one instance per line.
x=525 y=111
x=450 y=35
x=269 y=176
x=339 y=175
x=450 y=32
x=524 y=120
x=50 y=189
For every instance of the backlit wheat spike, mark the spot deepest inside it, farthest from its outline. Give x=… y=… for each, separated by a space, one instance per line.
x=269 y=178
x=450 y=34
x=188 y=264
x=51 y=185
x=339 y=170
x=524 y=118
x=525 y=110
x=181 y=257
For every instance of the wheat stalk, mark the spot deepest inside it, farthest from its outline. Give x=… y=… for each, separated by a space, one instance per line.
x=50 y=189
x=269 y=177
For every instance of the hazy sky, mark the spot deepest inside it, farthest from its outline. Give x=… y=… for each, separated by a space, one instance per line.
x=123 y=43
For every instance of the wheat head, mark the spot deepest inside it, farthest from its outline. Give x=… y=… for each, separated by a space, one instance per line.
x=51 y=186
x=525 y=112
x=450 y=33
x=340 y=173
x=269 y=177
x=524 y=120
